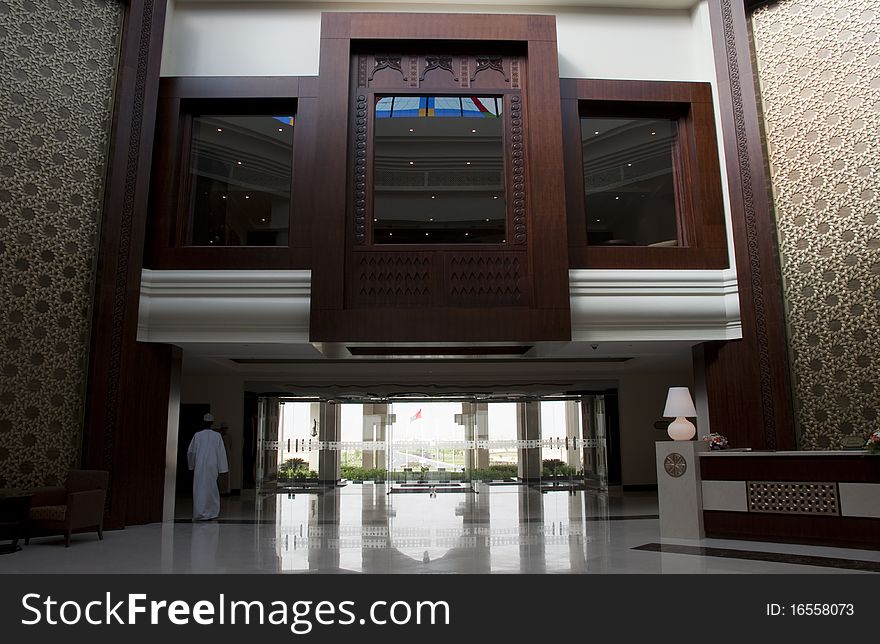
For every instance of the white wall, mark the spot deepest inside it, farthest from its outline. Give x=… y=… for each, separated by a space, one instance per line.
x=641 y=397
x=225 y=394
x=257 y=39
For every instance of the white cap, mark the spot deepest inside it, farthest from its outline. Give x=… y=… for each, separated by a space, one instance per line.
x=208 y=417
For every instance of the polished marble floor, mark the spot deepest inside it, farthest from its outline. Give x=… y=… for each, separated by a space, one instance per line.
x=364 y=529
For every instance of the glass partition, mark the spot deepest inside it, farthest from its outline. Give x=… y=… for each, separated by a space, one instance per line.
x=436 y=441
x=630 y=180
x=240 y=180
x=439 y=170
x=560 y=434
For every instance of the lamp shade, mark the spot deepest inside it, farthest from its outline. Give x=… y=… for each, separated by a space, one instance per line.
x=679 y=403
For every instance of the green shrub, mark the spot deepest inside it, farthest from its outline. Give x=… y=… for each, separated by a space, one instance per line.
x=355 y=473
x=555 y=467
x=493 y=472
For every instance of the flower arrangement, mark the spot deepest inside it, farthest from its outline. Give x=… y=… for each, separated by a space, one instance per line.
x=716 y=441
x=873 y=442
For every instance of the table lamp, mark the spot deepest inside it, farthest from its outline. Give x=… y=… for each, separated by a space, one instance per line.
x=680 y=405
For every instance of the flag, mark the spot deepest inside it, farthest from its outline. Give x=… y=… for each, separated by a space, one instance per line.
x=416 y=416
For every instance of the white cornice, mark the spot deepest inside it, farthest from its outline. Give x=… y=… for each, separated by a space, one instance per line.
x=273 y=306
x=224 y=306
x=615 y=305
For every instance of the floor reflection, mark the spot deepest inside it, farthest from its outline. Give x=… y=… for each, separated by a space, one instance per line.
x=364 y=528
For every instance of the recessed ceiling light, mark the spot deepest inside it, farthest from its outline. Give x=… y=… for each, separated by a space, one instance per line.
x=598 y=220
x=467 y=162
x=247 y=196
x=426 y=234
x=596 y=132
x=412 y=162
x=487 y=220
x=280 y=129
x=466 y=234
x=391 y=234
x=219 y=129
x=431 y=219
x=263 y=220
x=224 y=196
x=495 y=196
x=433 y=196
x=411 y=130
x=375 y=220
x=238 y=162
x=629 y=165
x=653 y=133
x=616 y=198
x=474 y=131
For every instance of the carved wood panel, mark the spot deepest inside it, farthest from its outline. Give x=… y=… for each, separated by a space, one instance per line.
x=486 y=279
x=438 y=70
x=439 y=278
x=392 y=279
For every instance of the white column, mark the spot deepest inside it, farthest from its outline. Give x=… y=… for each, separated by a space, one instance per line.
x=679 y=489
x=329 y=430
x=528 y=427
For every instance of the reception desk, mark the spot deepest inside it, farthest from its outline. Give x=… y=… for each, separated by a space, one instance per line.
x=821 y=498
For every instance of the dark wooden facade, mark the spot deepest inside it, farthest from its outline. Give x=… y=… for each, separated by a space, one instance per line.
x=128 y=387
x=128 y=391
x=748 y=380
x=517 y=291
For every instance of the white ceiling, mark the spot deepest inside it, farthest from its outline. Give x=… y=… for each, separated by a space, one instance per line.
x=420 y=4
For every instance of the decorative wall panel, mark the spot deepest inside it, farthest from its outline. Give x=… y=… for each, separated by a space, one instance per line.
x=490 y=279
x=793 y=498
x=402 y=279
x=57 y=61
x=819 y=73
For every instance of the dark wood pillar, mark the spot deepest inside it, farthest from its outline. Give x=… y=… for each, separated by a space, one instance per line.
x=128 y=381
x=748 y=380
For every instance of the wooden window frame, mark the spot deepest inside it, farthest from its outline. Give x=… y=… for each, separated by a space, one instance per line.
x=336 y=313
x=700 y=220
x=180 y=98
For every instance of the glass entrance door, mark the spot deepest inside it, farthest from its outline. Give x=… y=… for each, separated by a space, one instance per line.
x=266 y=466
x=595 y=441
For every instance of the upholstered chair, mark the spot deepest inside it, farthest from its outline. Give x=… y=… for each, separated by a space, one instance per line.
x=76 y=507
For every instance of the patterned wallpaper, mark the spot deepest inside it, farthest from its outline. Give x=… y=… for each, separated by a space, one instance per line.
x=819 y=71
x=57 y=65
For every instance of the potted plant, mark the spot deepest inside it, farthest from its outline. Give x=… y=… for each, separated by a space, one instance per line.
x=716 y=441
x=873 y=442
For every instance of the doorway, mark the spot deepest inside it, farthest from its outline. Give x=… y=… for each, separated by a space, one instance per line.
x=435 y=440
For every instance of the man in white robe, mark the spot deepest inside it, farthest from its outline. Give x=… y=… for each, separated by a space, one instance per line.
x=207 y=458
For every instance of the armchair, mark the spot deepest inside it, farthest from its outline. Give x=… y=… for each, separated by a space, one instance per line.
x=76 y=507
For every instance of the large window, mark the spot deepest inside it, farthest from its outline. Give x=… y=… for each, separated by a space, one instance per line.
x=240 y=176
x=630 y=175
x=439 y=170
x=228 y=187
x=643 y=178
